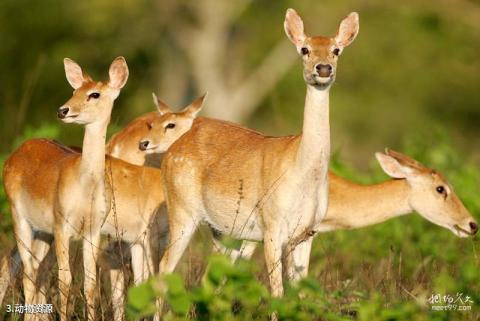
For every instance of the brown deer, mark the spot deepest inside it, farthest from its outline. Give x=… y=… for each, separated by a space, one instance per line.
x=134 y=190
x=252 y=186
x=414 y=188
x=78 y=202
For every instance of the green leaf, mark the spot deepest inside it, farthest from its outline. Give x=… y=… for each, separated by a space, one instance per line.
x=141 y=301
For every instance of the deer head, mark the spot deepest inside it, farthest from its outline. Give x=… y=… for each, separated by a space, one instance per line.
x=320 y=54
x=429 y=193
x=170 y=126
x=92 y=101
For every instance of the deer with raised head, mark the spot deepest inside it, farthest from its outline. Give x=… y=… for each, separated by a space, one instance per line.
x=252 y=186
x=77 y=203
x=134 y=190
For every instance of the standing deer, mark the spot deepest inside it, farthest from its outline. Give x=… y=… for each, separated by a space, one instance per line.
x=78 y=204
x=251 y=186
x=134 y=190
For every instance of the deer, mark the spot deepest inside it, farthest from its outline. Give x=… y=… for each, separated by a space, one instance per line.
x=251 y=186
x=413 y=187
x=126 y=145
x=77 y=203
x=351 y=205
x=134 y=189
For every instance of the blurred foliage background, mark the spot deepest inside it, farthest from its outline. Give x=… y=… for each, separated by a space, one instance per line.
x=409 y=81
x=414 y=64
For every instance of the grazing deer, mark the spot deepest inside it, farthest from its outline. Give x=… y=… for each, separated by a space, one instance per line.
x=414 y=188
x=251 y=186
x=136 y=196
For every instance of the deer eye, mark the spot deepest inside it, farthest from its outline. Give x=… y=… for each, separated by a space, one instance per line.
x=149 y=126
x=440 y=189
x=94 y=95
x=170 y=126
x=336 y=51
x=304 y=51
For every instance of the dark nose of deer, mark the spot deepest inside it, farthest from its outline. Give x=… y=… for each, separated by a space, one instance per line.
x=62 y=112
x=143 y=145
x=473 y=227
x=324 y=70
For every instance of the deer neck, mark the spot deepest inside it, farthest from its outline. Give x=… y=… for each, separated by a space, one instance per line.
x=366 y=205
x=92 y=162
x=314 y=148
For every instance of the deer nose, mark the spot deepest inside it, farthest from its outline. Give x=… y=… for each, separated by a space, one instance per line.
x=324 y=70
x=143 y=145
x=473 y=227
x=62 y=112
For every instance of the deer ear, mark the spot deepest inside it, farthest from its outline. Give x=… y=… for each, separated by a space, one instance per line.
x=348 y=30
x=194 y=108
x=118 y=73
x=75 y=76
x=392 y=167
x=161 y=106
x=294 y=28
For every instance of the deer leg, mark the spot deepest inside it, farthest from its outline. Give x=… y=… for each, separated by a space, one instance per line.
x=298 y=259
x=24 y=236
x=62 y=243
x=273 y=260
x=139 y=264
x=180 y=233
x=40 y=250
x=117 y=280
x=91 y=247
x=10 y=267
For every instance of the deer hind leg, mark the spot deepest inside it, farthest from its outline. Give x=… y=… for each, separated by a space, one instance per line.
x=117 y=281
x=62 y=244
x=140 y=265
x=9 y=270
x=24 y=237
x=181 y=230
x=40 y=247
x=115 y=256
x=297 y=260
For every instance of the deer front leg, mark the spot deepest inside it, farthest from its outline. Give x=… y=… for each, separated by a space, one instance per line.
x=91 y=247
x=62 y=243
x=273 y=260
